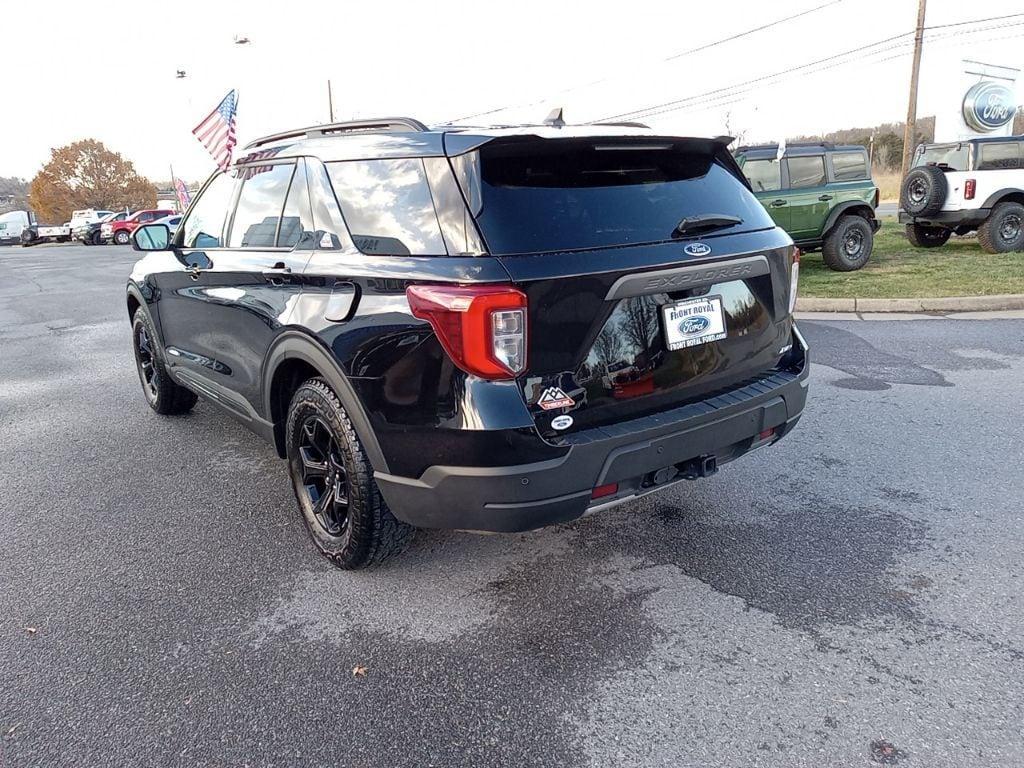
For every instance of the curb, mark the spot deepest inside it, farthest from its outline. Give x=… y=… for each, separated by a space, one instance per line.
x=937 y=304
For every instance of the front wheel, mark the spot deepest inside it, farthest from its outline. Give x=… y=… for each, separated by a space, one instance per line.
x=333 y=482
x=848 y=245
x=163 y=395
x=121 y=237
x=921 y=236
x=1003 y=230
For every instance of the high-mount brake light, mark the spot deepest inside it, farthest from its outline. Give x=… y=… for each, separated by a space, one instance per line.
x=794 y=279
x=481 y=327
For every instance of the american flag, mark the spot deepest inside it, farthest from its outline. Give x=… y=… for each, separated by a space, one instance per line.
x=217 y=131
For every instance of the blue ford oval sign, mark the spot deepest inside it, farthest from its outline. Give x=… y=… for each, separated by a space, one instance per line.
x=697 y=249
x=691 y=326
x=989 y=106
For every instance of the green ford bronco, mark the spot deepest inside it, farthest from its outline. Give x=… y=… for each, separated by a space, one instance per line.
x=821 y=194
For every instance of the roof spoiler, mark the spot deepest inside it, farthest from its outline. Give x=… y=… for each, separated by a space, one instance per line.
x=377 y=125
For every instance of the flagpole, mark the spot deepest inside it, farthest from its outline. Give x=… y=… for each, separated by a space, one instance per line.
x=174 y=186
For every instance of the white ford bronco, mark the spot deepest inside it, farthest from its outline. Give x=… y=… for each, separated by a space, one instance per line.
x=976 y=184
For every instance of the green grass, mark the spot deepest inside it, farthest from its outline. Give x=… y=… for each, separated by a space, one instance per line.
x=898 y=270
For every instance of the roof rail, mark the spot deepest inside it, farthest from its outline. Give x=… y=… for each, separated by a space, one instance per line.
x=382 y=124
x=775 y=145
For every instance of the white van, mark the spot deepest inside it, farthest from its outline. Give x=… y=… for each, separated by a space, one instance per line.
x=11 y=225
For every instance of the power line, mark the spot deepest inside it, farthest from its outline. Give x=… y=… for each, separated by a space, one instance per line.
x=673 y=57
x=715 y=98
x=669 y=106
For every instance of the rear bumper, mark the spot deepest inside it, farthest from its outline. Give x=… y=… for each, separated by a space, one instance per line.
x=680 y=444
x=949 y=219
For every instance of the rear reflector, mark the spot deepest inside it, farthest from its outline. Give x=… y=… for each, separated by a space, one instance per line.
x=766 y=434
x=481 y=327
x=604 y=490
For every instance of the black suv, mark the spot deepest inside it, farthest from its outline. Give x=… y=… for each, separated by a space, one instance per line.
x=478 y=328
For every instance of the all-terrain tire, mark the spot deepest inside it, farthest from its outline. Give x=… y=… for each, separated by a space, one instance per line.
x=848 y=244
x=922 y=236
x=923 y=192
x=1003 y=230
x=370 y=534
x=163 y=395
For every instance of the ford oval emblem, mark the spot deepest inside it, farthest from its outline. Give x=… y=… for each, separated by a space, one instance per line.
x=989 y=106
x=562 y=422
x=691 y=326
x=697 y=249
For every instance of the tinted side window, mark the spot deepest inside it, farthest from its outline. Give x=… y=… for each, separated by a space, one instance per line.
x=849 y=166
x=388 y=207
x=204 y=227
x=998 y=156
x=297 y=222
x=806 y=171
x=260 y=204
x=763 y=175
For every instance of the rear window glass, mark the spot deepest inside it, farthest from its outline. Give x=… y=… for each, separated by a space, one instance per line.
x=849 y=166
x=952 y=155
x=388 y=206
x=998 y=156
x=532 y=196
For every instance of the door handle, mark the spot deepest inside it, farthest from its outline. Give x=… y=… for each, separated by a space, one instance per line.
x=825 y=198
x=276 y=274
x=777 y=203
x=194 y=272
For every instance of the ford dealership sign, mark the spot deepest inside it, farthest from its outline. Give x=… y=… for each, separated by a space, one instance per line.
x=988 y=106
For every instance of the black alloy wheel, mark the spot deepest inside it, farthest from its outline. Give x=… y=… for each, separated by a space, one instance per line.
x=324 y=478
x=146 y=362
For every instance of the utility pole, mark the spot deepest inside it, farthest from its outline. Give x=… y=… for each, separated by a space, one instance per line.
x=330 y=102
x=910 y=129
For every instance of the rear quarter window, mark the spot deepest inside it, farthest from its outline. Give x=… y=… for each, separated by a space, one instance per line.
x=849 y=166
x=998 y=156
x=388 y=207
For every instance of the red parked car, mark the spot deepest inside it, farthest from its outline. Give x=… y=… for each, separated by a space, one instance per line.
x=120 y=232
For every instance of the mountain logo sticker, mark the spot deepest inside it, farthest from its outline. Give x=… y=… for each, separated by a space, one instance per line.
x=554 y=397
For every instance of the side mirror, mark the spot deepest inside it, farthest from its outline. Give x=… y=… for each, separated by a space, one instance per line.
x=151 y=237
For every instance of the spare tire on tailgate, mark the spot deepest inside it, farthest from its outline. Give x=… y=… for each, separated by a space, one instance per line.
x=924 y=191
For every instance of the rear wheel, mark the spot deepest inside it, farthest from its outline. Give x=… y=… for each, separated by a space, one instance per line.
x=848 y=245
x=921 y=236
x=163 y=395
x=1003 y=230
x=343 y=510
x=121 y=237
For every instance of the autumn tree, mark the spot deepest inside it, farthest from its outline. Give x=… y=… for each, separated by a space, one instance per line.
x=86 y=174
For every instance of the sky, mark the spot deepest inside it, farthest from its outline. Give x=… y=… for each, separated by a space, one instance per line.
x=439 y=61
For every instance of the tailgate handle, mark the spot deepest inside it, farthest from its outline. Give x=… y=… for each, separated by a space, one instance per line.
x=689 y=276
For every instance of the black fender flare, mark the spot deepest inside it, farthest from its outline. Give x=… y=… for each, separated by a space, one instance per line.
x=295 y=345
x=997 y=197
x=843 y=209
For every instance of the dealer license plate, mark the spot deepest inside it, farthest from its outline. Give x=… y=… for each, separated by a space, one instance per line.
x=693 y=321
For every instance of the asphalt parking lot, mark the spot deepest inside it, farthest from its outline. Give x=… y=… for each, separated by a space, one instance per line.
x=850 y=597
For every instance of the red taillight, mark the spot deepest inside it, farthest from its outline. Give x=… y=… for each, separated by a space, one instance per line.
x=969 y=188
x=481 y=327
x=794 y=279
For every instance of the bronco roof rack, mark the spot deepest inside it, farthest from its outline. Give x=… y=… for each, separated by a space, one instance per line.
x=376 y=125
x=775 y=145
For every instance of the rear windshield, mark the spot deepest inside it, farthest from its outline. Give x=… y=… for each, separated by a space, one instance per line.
x=531 y=196
x=952 y=155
